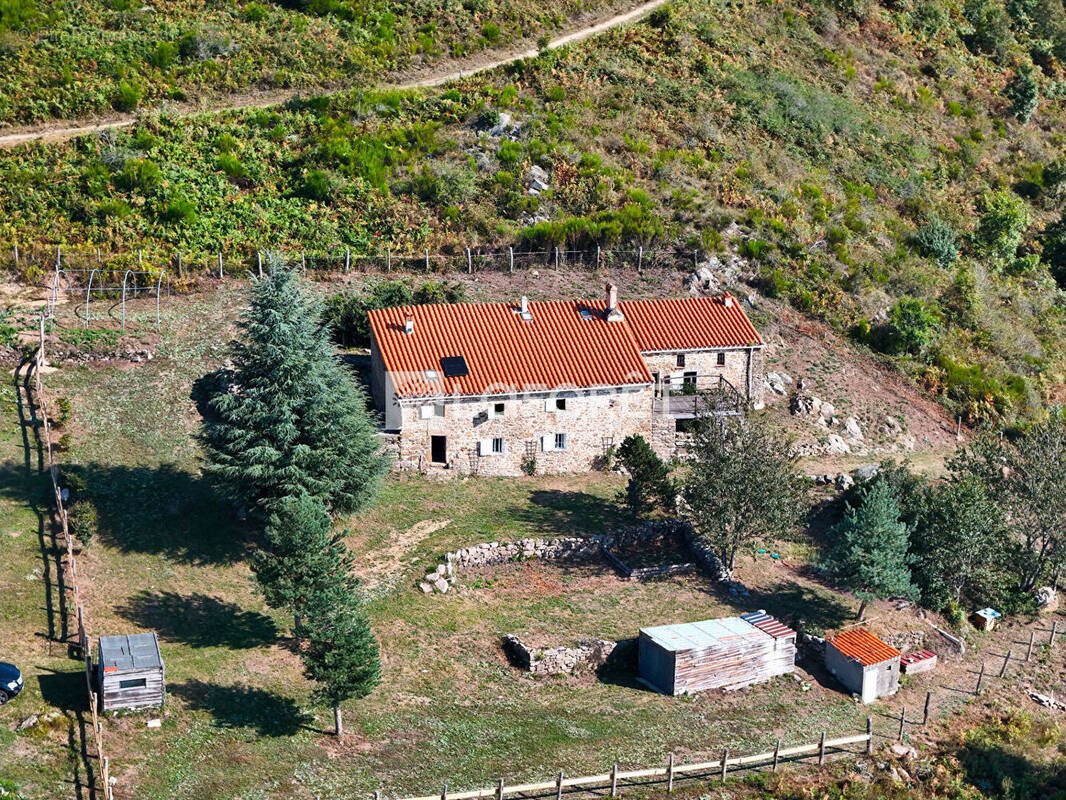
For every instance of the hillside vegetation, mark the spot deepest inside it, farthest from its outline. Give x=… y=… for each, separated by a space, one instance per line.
x=897 y=170
x=69 y=58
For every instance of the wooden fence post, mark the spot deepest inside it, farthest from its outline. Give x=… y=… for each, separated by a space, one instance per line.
x=980 y=679
x=777 y=753
x=597 y=256
x=1029 y=652
x=99 y=259
x=670 y=775
x=1006 y=662
x=469 y=262
x=181 y=269
x=347 y=259
x=444 y=792
x=869 y=736
x=259 y=261
x=556 y=258
x=640 y=256
x=614 y=781
x=427 y=260
x=695 y=258
x=388 y=259
x=16 y=254
x=377 y=794
x=902 y=722
x=725 y=763
x=559 y=786
x=1054 y=631
x=510 y=258
x=925 y=713
x=140 y=259
x=499 y=789
x=220 y=276
x=59 y=256
x=303 y=262
x=821 y=750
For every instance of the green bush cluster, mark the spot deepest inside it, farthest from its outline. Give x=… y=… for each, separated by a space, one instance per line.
x=346 y=312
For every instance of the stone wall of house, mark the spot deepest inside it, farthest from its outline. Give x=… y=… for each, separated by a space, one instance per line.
x=747 y=381
x=592 y=421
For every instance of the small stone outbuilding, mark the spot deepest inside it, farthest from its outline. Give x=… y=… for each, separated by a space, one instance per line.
x=862 y=662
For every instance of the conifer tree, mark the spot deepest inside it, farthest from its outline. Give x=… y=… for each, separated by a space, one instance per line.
x=341 y=654
x=868 y=549
x=649 y=478
x=300 y=560
x=293 y=421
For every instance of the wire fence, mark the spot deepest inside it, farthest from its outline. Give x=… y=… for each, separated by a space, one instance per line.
x=39 y=260
x=70 y=583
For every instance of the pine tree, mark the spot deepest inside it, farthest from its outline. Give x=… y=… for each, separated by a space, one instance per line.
x=868 y=549
x=293 y=421
x=649 y=478
x=742 y=484
x=341 y=655
x=301 y=560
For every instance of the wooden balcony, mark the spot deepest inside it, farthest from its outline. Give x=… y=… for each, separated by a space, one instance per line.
x=718 y=401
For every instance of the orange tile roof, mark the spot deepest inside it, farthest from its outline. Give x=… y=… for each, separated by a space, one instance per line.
x=692 y=323
x=863 y=646
x=558 y=349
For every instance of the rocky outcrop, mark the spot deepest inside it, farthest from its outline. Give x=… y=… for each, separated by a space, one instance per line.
x=905 y=641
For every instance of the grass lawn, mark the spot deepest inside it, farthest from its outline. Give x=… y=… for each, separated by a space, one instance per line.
x=170 y=557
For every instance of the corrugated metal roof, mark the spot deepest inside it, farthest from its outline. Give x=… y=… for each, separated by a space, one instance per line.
x=691 y=323
x=135 y=651
x=915 y=656
x=764 y=622
x=559 y=348
x=701 y=635
x=863 y=646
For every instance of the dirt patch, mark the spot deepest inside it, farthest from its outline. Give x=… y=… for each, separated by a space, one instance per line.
x=388 y=560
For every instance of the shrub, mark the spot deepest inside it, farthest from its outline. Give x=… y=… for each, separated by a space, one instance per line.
x=63 y=411
x=649 y=478
x=1023 y=93
x=180 y=210
x=163 y=55
x=82 y=521
x=1000 y=229
x=490 y=32
x=1054 y=253
x=139 y=174
x=126 y=97
x=204 y=45
x=529 y=465
x=232 y=166
x=660 y=17
x=316 y=186
x=255 y=12
x=990 y=28
x=936 y=240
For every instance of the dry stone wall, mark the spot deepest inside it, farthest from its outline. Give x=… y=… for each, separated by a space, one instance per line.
x=586 y=654
x=570 y=548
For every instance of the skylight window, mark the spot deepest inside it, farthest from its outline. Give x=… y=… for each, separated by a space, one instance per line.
x=454 y=367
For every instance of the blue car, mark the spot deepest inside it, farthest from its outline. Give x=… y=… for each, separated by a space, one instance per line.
x=10 y=682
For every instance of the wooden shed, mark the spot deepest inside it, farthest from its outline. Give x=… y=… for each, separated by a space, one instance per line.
x=728 y=653
x=129 y=672
x=862 y=662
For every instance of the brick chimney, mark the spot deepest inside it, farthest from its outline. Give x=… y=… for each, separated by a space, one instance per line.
x=409 y=324
x=612 y=312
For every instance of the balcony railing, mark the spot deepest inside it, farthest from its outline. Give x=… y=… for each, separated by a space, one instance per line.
x=722 y=399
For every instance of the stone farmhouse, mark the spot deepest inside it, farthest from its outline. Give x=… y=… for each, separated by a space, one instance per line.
x=499 y=388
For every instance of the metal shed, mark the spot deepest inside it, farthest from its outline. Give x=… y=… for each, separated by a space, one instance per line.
x=129 y=672
x=728 y=653
x=865 y=665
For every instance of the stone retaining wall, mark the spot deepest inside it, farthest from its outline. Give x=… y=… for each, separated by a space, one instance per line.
x=570 y=548
x=586 y=654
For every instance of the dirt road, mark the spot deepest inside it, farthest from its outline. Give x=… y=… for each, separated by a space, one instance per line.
x=434 y=76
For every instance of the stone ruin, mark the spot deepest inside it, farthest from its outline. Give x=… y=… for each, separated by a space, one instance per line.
x=587 y=654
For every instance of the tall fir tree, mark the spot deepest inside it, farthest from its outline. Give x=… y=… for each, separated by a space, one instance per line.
x=649 y=478
x=868 y=548
x=341 y=654
x=293 y=421
x=300 y=560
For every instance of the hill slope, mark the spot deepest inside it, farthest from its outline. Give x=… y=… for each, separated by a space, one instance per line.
x=873 y=159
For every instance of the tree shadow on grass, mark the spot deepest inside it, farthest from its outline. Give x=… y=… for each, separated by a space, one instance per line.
x=570 y=513
x=269 y=714
x=163 y=509
x=199 y=620
x=798 y=606
x=64 y=690
x=1000 y=773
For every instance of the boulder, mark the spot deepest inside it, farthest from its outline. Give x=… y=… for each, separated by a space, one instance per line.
x=427 y=588
x=836 y=446
x=827 y=411
x=778 y=384
x=844 y=481
x=441 y=585
x=852 y=429
x=804 y=405
x=1047 y=598
x=865 y=472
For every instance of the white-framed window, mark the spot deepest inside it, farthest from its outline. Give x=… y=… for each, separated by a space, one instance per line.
x=497 y=445
x=560 y=441
x=491 y=447
x=555 y=404
x=550 y=442
x=497 y=410
x=431 y=410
